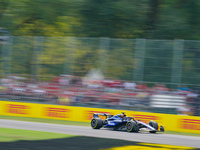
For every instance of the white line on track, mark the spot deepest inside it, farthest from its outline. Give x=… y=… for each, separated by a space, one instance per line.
x=159 y=138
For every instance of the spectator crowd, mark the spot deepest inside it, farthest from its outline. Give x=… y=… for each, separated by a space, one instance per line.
x=76 y=91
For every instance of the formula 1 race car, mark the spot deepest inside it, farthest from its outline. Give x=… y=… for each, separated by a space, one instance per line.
x=123 y=123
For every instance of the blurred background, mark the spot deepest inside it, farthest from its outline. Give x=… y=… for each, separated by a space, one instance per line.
x=136 y=55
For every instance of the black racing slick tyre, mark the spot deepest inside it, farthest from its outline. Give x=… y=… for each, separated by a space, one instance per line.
x=154 y=124
x=96 y=123
x=131 y=126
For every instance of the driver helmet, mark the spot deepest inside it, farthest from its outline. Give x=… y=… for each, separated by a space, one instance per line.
x=123 y=114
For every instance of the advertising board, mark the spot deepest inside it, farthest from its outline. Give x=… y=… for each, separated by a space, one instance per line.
x=190 y=124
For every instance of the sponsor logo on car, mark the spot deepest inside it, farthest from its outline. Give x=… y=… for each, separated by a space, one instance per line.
x=17 y=109
x=56 y=112
x=111 y=123
x=191 y=124
x=118 y=120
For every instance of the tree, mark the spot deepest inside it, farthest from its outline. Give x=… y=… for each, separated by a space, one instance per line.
x=115 y=19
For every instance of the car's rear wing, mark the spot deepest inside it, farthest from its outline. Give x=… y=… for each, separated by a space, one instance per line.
x=95 y=115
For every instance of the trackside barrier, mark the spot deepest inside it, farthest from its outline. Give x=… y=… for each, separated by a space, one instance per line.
x=190 y=124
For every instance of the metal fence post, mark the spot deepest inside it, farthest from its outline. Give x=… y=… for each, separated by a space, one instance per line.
x=7 y=56
x=37 y=55
x=71 y=41
x=140 y=46
x=103 y=53
x=176 y=75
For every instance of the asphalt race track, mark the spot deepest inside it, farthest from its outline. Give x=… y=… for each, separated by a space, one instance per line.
x=159 y=138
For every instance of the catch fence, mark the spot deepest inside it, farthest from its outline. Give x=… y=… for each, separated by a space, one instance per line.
x=172 y=62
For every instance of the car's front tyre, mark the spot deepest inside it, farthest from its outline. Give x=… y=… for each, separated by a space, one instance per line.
x=131 y=126
x=96 y=123
x=154 y=125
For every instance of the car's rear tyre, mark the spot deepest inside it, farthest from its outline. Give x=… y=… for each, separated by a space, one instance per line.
x=96 y=123
x=131 y=126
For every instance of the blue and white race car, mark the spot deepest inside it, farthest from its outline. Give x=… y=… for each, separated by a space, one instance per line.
x=121 y=122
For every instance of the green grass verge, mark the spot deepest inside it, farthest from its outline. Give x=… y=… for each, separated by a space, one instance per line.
x=76 y=123
x=11 y=135
x=183 y=133
x=54 y=121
